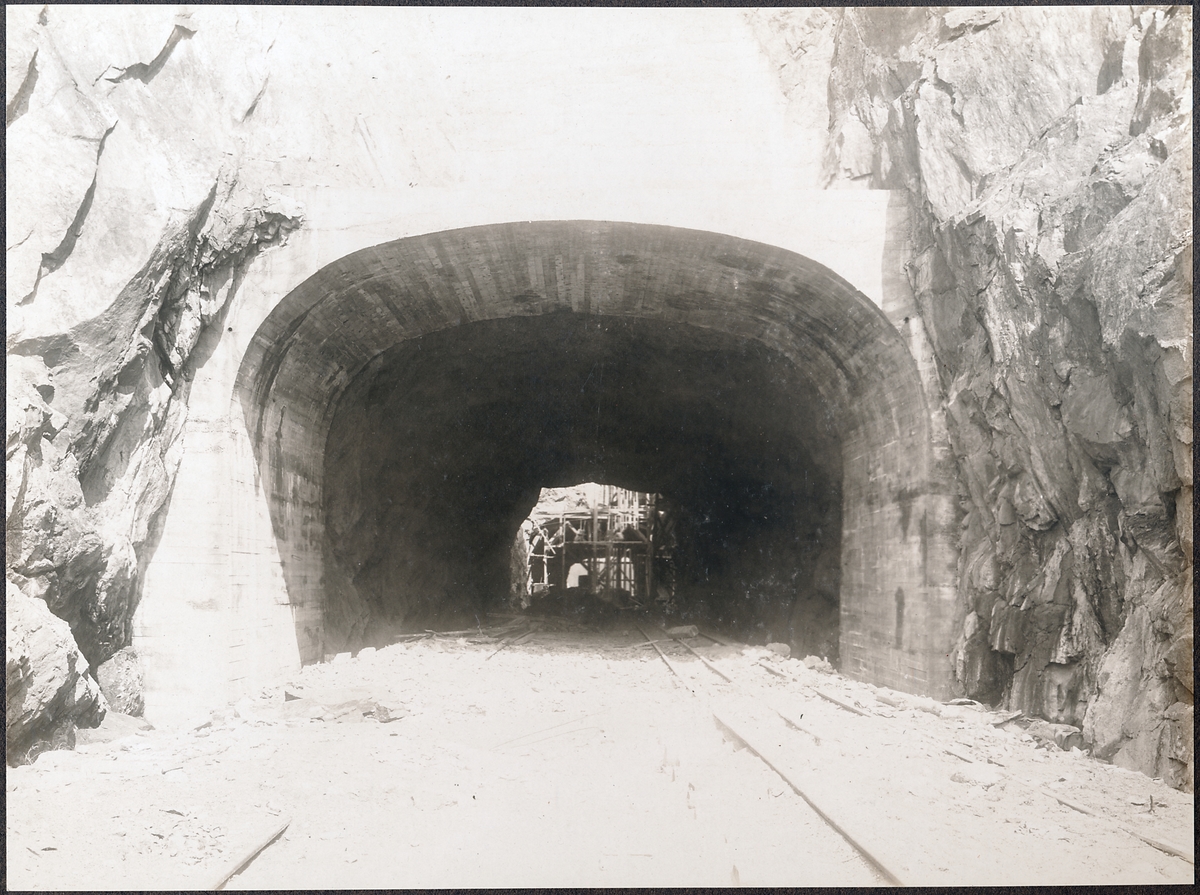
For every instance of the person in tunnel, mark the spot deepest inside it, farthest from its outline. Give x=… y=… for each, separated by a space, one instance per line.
x=553 y=549
x=575 y=573
x=537 y=556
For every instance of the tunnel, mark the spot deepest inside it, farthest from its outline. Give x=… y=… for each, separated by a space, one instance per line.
x=407 y=403
x=439 y=449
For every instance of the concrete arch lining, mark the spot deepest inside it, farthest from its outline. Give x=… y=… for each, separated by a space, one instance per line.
x=897 y=548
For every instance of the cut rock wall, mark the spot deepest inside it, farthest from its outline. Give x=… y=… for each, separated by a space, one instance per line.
x=1047 y=155
x=119 y=275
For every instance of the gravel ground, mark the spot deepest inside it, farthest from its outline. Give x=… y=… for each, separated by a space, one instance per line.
x=575 y=758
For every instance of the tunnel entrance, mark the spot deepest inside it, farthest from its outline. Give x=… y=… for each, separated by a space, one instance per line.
x=439 y=448
x=406 y=405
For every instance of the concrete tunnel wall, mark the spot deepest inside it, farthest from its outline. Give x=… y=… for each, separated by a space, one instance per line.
x=861 y=386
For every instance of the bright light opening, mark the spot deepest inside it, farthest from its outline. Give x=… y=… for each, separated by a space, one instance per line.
x=594 y=541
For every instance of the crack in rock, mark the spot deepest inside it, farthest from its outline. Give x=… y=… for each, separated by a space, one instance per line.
x=20 y=101
x=146 y=71
x=52 y=261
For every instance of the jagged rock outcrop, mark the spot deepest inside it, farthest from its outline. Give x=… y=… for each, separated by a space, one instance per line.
x=47 y=690
x=114 y=298
x=1047 y=158
x=121 y=682
x=88 y=482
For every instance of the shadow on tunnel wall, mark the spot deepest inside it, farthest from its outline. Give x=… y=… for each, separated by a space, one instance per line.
x=406 y=403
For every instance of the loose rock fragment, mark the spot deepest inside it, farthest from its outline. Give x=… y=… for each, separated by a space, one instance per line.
x=683 y=631
x=816 y=663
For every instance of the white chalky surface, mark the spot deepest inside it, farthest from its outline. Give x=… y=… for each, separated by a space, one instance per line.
x=573 y=759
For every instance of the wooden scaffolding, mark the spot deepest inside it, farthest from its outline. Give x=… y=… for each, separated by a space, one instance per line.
x=613 y=538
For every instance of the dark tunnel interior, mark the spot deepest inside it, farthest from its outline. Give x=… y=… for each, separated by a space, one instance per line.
x=438 y=449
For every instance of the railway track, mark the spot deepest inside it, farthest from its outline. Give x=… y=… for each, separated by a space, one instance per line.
x=569 y=757
x=896 y=838
x=760 y=747
x=739 y=710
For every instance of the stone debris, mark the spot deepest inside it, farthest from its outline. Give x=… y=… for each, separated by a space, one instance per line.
x=680 y=632
x=1064 y=736
x=384 y=713
x=329 y=707
x=977 y=775
x=115 y=725
x=1004 y=717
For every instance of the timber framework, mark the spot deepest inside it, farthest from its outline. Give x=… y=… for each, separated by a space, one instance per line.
x=613 y=544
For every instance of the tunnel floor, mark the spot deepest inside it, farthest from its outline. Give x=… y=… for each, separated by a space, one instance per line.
x=573 y=757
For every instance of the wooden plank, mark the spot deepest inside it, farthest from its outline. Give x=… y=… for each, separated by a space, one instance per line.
x=250 y=855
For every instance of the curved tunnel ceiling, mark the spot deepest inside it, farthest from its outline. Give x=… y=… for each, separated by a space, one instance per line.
x=610 y=396
x=324 y=332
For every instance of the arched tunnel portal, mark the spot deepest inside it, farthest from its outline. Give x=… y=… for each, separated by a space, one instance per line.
x=407 y=402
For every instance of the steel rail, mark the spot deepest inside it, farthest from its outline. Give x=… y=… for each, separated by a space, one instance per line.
x=661 y=654
x=1162 y=845
x=820 y=810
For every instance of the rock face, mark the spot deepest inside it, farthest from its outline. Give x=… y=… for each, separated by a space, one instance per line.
x=47 y=690
x=121 y=682
x=87 y=481
x=112 y=304
x=1047 y=156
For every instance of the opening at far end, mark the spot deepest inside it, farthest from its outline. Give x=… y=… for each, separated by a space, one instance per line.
x=591 y=550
